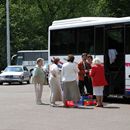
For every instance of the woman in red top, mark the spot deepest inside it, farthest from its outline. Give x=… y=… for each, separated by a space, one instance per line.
x=98 y=80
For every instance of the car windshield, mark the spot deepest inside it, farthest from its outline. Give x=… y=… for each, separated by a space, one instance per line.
x=13 y=69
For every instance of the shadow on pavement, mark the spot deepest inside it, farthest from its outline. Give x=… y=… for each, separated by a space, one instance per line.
x=79 y=107
x=44 y=104
x=14 y=83
x=111 y=107
x=117 y=100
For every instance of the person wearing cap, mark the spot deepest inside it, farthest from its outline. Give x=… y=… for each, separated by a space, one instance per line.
x=98 y=80
x=83 y=75
x=54 y=82
x=69 y=73
x=39 y=79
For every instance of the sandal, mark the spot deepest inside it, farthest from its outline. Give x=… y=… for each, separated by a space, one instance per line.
x=99 y=105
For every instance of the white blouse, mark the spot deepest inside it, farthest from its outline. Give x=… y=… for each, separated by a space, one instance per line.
x=54 y=70
x=69 y=72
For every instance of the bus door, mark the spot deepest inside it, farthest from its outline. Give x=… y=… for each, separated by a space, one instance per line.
x=114 y=59
x=127 y=58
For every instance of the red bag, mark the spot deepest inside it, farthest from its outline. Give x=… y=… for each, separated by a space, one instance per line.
x=89 y=103
x=69 y=103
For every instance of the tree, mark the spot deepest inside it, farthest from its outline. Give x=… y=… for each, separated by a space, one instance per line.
x=30 y=19
x=113 y=8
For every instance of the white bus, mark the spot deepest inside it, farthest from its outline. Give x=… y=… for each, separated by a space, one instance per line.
x=104 y=37
x=28 y=57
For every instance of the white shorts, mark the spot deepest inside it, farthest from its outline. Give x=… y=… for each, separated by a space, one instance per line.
x=98 y=90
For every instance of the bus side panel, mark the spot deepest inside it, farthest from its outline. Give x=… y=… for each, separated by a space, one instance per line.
x=127 y=75
x=63 y=58
x=77 y=58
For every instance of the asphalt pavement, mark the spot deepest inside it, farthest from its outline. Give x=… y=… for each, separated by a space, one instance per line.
x=18 y=111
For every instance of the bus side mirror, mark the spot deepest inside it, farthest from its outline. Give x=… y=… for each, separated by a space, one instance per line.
x=2 y=71
x=13 y=59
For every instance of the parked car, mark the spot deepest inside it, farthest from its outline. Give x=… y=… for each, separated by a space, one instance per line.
x=15 y=74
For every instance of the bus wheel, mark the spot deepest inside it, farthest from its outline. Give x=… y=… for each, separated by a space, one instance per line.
x=1 y=83
x=105 y=98
x=125 y=97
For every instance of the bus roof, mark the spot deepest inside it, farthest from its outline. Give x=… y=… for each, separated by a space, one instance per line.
x=86 y=21
x=32 y=51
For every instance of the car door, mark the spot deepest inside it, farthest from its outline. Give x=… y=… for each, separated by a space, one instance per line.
x=26 y=73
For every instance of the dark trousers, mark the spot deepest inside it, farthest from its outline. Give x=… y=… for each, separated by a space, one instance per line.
x=86 y=83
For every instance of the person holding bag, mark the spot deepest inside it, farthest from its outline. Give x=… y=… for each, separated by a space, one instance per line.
x=39 y=79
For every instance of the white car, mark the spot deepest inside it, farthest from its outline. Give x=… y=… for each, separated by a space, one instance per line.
x=15 y=74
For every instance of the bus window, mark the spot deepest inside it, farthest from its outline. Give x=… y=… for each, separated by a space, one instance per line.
x=28 y=57
x=32 y=56
x=85 y=40
x=63 y=42
x=127 y=39
x=116 y=39
x=19 y=60
x=99 y=40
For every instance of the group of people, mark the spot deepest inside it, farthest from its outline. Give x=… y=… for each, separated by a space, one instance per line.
x=72 y=81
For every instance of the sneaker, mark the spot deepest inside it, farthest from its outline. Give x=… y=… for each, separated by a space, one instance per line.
x=99 y=105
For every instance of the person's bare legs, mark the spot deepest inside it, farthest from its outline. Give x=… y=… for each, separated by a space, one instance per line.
x=98 y=98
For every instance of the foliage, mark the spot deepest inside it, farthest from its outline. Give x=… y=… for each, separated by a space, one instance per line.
x=30 y=19
x=114 y=8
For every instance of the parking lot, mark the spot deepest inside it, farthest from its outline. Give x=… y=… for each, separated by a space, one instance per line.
x=18 y=111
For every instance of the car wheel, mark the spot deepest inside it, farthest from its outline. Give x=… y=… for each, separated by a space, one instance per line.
x=28 y=82
x=1 y=83
x=21 y=82
x=9 y=83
